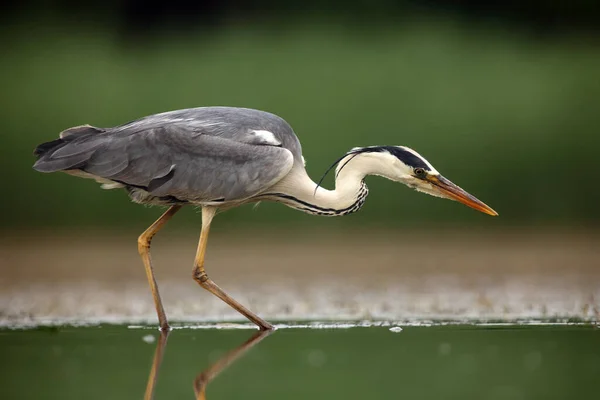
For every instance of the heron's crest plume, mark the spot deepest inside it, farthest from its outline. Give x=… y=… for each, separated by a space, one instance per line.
x=354 y=152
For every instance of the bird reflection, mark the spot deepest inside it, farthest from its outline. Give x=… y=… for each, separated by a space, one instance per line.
x=210 y=373
x=156 y=362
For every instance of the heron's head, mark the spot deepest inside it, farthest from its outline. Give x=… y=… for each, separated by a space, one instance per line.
x=405 y=165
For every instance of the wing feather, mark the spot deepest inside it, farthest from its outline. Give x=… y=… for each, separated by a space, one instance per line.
x=196 y=155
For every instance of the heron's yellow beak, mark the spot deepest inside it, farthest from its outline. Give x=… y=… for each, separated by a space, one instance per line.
x=454 y=192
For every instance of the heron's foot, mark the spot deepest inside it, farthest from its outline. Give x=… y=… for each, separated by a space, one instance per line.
x=265 y=326
x=164 y=327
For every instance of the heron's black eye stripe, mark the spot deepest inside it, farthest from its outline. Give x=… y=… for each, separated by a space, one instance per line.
x=406 y=157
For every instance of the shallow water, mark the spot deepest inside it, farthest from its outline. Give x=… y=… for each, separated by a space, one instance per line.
x=528 y=286
x=377 y=362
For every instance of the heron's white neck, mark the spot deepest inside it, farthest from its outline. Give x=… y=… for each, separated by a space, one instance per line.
x=297 y=190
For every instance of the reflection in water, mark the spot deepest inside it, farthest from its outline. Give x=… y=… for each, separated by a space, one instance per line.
x=156 y=362
x=206 y=376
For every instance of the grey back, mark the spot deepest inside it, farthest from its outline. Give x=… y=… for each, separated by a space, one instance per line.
x=199 y=154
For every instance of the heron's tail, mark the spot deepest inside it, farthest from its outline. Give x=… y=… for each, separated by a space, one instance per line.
x=68 y=151
x=45 y=147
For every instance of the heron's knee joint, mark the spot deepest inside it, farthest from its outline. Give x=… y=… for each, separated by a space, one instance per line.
x=200 y=275
x=143 y=243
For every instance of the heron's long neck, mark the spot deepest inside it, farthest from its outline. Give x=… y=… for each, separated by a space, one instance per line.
x=297 y=190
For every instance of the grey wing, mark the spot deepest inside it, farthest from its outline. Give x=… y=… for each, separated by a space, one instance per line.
x=238 y=124
x=170 y=160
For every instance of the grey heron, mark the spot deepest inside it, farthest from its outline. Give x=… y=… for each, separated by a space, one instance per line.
x=222 y=157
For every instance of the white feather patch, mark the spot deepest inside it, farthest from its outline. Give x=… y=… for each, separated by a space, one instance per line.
x=112 y=185
x=267 y=137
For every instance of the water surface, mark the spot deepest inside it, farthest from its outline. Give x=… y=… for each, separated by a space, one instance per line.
x=462 y=362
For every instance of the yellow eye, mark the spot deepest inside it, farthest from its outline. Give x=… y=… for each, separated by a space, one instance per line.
x=419 y=172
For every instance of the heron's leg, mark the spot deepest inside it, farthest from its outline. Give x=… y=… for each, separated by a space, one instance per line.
x=202 y=278
x=144 y=250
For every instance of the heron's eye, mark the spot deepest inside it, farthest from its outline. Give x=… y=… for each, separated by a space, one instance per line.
x=419 y=172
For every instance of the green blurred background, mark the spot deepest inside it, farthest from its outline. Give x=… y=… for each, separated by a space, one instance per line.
x=503 y=99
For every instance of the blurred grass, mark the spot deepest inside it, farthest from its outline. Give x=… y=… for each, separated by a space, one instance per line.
x=509 y=117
